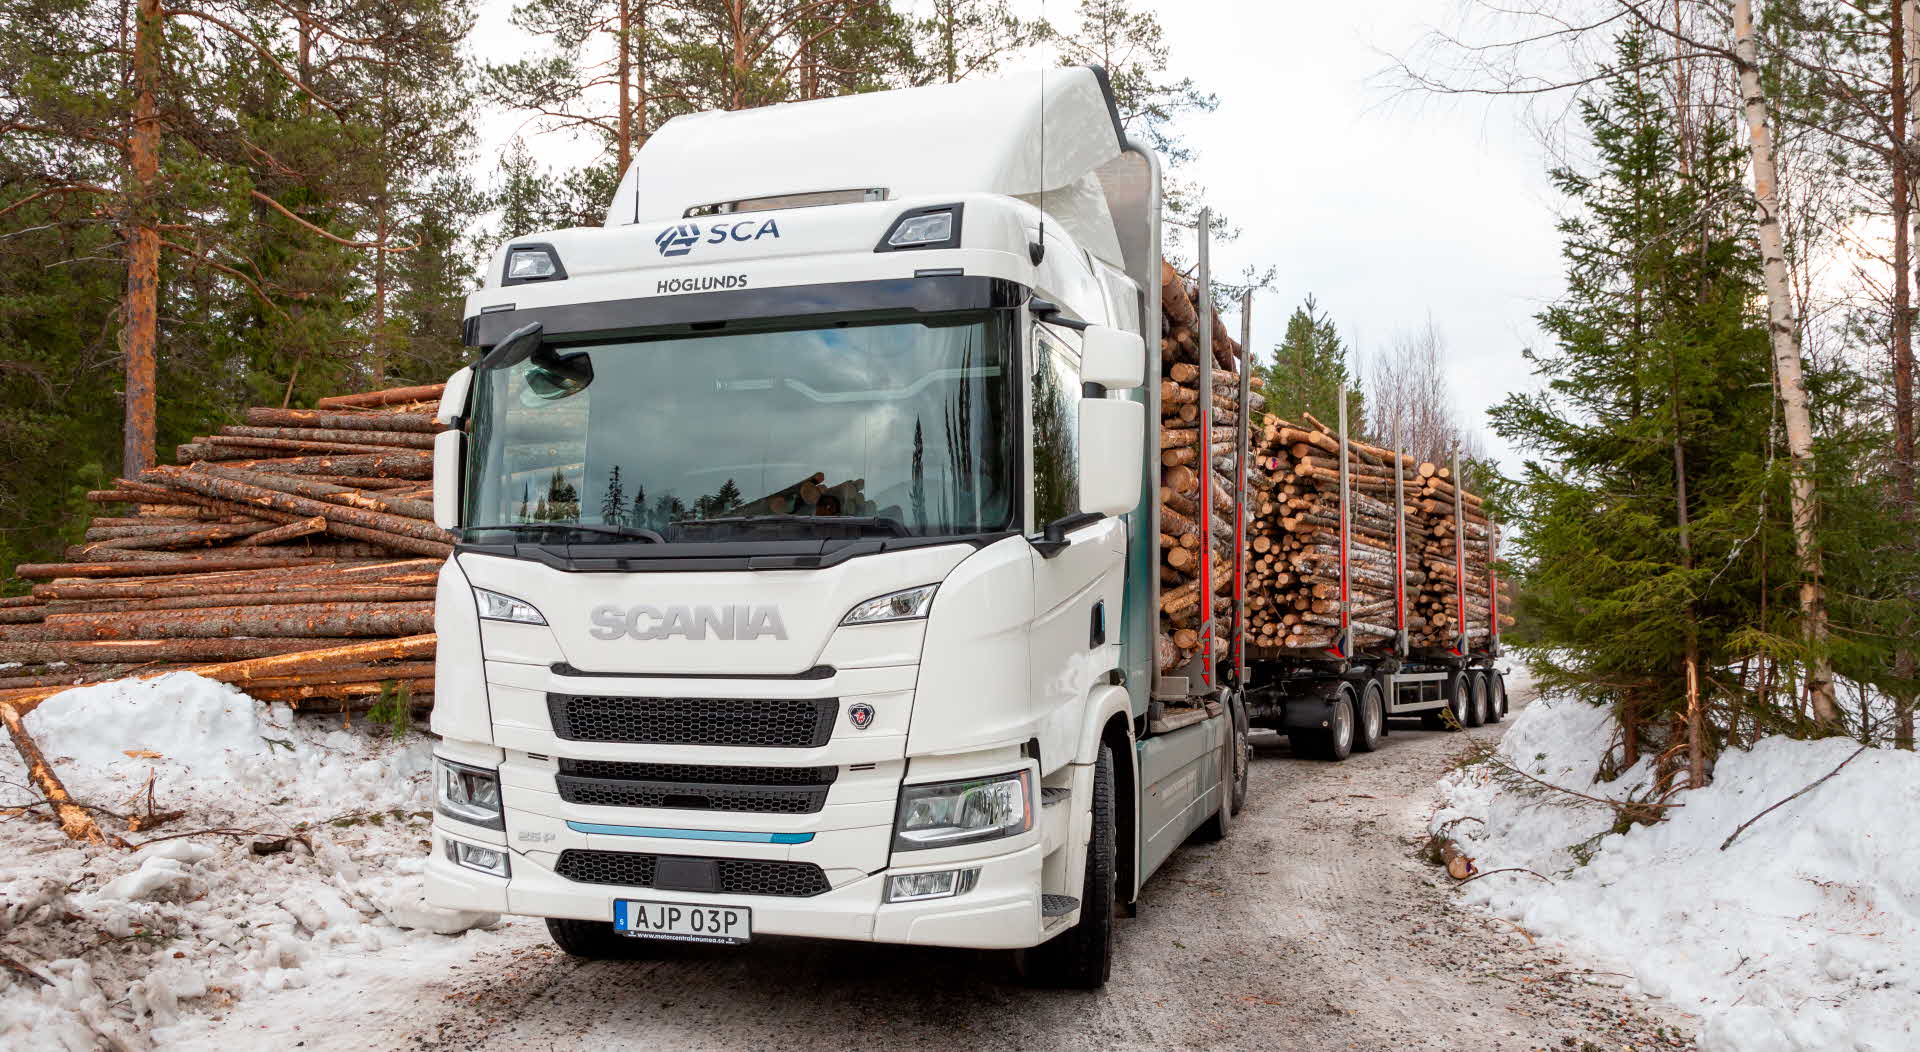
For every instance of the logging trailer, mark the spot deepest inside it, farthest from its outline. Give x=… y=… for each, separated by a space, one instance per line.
x=804 y=583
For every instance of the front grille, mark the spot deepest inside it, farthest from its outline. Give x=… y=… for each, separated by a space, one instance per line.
x=695 y=787
x=732 y=876
x=793 y=723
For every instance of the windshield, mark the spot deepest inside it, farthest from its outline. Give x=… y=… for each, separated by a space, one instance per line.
x=899 y=427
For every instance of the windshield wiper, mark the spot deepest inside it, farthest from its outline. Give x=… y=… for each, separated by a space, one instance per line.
x=892 y=526
x=633 y=532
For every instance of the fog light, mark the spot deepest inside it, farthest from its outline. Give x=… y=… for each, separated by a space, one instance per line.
x=913 y=887
x=485 y=859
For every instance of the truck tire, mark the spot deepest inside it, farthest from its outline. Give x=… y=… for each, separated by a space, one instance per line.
x=1370 y=718
x=1332 y=744
x=1474 y=712
x=1243 y=742
x=1233 y=779
x=591 y=940
x=1452 y=718
x=1081 y=957
x=1496 y=696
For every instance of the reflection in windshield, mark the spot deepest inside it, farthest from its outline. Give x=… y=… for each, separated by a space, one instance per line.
x=906 y=421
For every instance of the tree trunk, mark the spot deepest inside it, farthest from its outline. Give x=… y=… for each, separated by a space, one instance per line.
x=1908 y=12
x=623 y=118
x=140 y=332
x=1786 y=361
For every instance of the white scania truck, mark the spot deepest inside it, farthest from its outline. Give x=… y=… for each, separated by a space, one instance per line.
x=801 y=588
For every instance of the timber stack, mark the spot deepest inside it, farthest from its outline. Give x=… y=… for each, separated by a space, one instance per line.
x=294 y=555
x=1294 y=587
x=1197 y=464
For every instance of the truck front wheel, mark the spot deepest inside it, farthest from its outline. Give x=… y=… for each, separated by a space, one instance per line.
x=1081 y=957
x=592 y=940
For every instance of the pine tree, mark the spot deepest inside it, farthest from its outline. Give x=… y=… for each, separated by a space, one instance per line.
x=965 y=38
x=1648 y=496
x=1308 y=368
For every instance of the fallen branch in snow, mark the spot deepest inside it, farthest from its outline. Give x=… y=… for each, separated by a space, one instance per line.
x=237 y=834
x=1509 y=869
x=73 y=818
x=1643 y=812
x=9 y=962
x=1803 y=790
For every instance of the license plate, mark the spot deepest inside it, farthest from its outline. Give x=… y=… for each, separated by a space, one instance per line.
x=682 y=921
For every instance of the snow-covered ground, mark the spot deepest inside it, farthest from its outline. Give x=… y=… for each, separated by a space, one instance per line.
x=1802 y=935
x=187 y=937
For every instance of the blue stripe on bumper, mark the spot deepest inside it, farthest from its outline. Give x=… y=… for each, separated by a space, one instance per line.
x=691 y=834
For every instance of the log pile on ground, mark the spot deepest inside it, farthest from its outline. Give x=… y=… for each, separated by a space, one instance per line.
x=295 y=554
x=1197 y=457
x=1294 y=543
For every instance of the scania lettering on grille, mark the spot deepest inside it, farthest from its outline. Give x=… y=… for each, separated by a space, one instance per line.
x=728 y=621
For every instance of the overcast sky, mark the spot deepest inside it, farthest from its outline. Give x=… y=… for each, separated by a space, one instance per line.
x=1389 y=211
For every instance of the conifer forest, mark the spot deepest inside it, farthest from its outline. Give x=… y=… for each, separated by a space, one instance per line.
x=240 y=204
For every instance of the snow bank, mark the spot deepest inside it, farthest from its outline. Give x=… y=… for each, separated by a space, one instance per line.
x=1803 y=935
x=126 y=946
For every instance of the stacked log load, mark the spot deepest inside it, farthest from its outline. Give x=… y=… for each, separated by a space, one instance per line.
x=1294 y=543
x=1197 y=463
x=294 y=554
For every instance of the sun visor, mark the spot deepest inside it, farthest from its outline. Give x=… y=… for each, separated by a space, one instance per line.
x=976 y=136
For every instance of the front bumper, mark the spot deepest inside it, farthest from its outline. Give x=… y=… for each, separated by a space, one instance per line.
x=1001 y=912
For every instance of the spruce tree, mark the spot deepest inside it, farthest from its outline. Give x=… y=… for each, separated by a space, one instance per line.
x=1648 y=493
x=1308 y=368
x=613 y=505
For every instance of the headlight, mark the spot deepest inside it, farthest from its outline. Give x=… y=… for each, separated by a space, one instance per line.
x=473 y=856
x=469 y=794
x=943 y=814
x=497 y=607
x=903 y=605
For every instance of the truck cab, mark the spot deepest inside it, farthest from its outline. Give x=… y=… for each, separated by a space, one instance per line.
x=799 y=588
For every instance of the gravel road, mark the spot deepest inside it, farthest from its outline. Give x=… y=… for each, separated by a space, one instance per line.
x=1313 y=927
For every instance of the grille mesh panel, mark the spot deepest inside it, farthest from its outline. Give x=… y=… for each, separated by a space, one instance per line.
x=772 y=800
x=792 y=723
x=708 y=773
x=737 y=876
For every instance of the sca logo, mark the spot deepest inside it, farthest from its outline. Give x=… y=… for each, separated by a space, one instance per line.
x=679 y=240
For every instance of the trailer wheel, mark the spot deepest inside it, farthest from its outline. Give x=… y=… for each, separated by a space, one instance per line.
x=1081 y=957
x=1335 y=743
x=1370 y=723
x=1496 y=696
x=591 y=940
x=1454 y=716
x=1476 y=702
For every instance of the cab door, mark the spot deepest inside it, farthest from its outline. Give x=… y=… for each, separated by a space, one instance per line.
x=1076 y=630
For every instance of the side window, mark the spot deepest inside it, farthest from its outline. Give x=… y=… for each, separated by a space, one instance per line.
x=1055 y=383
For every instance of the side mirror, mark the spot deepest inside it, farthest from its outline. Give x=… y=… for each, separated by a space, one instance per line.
x=453 y=400
x=1113 y=438
x=447 y=447
x=1113 y=358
